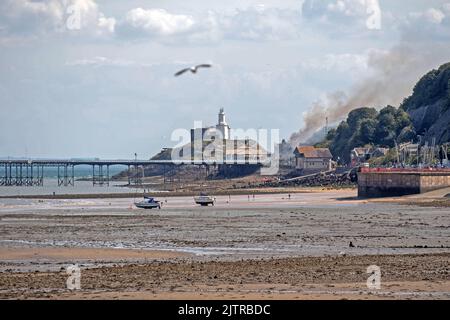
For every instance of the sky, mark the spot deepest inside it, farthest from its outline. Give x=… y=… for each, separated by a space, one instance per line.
x=94 y=78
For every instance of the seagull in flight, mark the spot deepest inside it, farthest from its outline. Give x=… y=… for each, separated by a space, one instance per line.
x=192 y=69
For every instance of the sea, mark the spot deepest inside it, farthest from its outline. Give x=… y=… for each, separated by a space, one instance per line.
x=83 y=184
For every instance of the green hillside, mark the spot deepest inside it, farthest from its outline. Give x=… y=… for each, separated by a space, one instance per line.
x=426 y=113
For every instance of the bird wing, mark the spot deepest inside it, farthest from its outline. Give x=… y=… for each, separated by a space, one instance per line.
x=181 y=72
x=203 y=66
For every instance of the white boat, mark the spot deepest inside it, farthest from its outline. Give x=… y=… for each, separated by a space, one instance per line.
x=148 y=203
x=204 y=200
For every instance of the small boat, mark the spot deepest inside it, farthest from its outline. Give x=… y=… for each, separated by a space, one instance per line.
x=204 y=200
x=148 y=203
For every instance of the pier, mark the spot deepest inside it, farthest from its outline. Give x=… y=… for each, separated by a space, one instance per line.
x=30 y=172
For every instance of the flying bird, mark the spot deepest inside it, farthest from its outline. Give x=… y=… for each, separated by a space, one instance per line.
x=192 y=69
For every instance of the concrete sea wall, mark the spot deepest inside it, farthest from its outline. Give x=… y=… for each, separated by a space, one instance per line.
x=372 y=183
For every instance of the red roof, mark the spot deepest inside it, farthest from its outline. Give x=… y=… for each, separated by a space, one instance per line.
x=312 y=152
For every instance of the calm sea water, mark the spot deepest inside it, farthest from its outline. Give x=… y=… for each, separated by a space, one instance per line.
x=51 y=185
x=81 y=187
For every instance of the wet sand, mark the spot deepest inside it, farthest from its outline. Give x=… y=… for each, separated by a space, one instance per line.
x=83 y=254
x=250 y=244
x=403 y=277
x=125 y=192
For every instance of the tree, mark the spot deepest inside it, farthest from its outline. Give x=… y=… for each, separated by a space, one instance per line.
x=338 y=146
x=386 y=129
x=431 y=87
x=366 y=126
x=331 y=134
x=402 y=120
x=356 y=116
x=407 y=134
x=367 y=130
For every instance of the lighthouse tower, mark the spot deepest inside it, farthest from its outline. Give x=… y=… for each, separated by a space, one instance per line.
x=222 y=126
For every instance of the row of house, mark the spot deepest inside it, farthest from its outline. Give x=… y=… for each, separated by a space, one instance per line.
x=361 y=155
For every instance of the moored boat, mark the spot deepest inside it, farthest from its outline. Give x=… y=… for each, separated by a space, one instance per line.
x=148 y=203
x=204 y=200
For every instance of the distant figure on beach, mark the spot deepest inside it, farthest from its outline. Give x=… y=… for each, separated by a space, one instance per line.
x=351 y=245
x=289 y=196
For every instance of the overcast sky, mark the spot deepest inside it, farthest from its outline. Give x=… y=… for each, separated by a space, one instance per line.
x=104 y=87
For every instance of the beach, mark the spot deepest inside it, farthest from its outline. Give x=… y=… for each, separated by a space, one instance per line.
x=274 y=246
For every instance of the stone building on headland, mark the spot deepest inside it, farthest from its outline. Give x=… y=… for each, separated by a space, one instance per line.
x=221 y=145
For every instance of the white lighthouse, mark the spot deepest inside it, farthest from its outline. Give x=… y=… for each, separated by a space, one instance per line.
x=222 y=125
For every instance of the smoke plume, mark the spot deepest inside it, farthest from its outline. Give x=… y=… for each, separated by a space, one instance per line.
x=392 y=76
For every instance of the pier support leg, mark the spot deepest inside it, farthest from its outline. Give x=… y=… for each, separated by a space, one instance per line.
x=164 y=173
x=98 y=178
x=39 y=179
x=73 y=176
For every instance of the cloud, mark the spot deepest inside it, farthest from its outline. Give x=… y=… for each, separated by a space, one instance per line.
x=256 y=23
x=341 y=13
x=38 y=18
x=87 y=19
x=106 y=24
x=348 y=8
x=100 y=61
x=356 y=18
x=159 y=22
x=446 y=8
x=23 y=16
x=432 y=24
x=260 y=23
x=429 y=16
x=346 y=62
x=434 y=15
